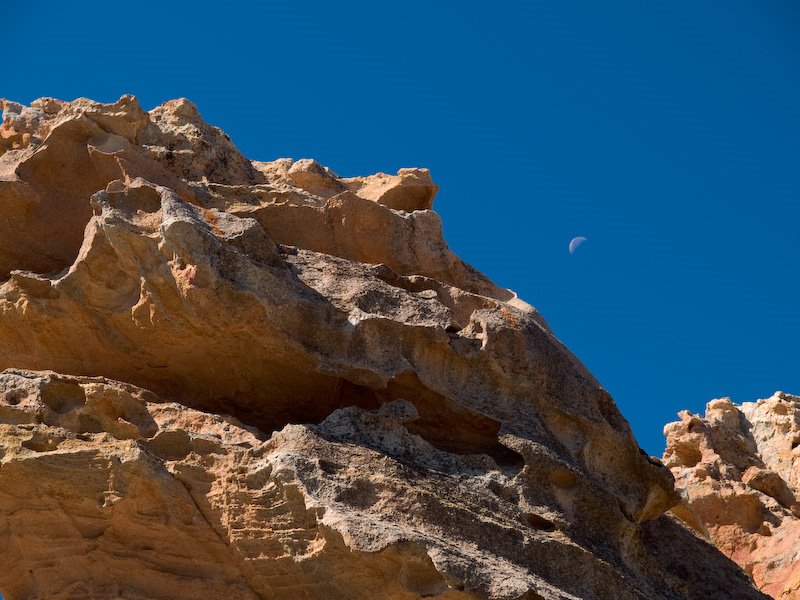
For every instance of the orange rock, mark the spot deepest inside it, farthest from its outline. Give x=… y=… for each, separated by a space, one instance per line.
x=739 y=472
x=337 y=406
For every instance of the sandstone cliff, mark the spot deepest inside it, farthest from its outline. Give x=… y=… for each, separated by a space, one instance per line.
x=320 y=399
x=739 y=471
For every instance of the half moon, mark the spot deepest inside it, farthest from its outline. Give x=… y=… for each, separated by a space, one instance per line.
x=575 y=242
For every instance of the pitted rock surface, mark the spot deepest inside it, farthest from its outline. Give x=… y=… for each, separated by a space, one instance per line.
x=738 y=469
x=240 y=379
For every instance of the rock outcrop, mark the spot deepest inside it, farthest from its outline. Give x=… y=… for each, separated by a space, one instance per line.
x=226 y=378
x=739 y=472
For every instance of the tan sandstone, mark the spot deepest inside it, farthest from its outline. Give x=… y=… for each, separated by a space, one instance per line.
x=738 y=469
x=236 y=379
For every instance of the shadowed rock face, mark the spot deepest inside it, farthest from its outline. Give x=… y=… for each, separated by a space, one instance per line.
x=320 y=400
x=739 y=473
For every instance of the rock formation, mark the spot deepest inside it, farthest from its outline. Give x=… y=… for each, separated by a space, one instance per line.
x=320 y=399
x=739 y=472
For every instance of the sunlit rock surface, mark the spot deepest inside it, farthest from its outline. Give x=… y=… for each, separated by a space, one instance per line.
x=320 y=399
x=739 y=472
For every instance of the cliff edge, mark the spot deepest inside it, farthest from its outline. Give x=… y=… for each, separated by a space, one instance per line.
x=235 y=379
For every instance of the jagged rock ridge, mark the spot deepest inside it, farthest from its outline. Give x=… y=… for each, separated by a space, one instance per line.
x=738 y=468
x=320 y=399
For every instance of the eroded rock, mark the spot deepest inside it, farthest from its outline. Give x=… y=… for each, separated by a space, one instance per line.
x=739 y=471
x=337 y=406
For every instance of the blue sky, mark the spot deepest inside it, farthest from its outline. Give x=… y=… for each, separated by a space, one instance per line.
x=666 y=133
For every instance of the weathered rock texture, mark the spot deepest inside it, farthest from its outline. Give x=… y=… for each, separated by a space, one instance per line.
x=337 y=407
x=739 y=471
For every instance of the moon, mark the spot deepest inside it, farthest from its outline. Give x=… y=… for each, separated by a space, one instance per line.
x=575 y=242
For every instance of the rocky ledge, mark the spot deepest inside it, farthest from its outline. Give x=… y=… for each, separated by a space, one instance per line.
x=738 y=469
x=236 y=379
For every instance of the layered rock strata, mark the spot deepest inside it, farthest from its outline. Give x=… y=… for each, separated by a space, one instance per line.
x=320 y=399
x=738 y=468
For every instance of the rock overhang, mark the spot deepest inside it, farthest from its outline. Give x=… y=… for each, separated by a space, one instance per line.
x=326 y=319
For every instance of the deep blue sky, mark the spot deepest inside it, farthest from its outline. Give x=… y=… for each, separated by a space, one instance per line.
x=667 y=133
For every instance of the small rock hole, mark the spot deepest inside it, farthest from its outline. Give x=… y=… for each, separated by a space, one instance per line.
x=563 y=478
x=539 y=522
x=531 y=595
x=41 y=443
x=63 y=396
x=12 y=398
